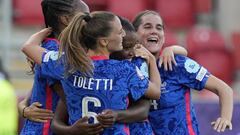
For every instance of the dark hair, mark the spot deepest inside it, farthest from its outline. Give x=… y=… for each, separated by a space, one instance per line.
x=126 y=24
x=138 y=19
x=82 y=34
x=129 y=40
x=53 y=9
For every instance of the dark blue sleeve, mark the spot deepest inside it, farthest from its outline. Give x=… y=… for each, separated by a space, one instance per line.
x=190 y=73
x=137 y=83
x=52 y=66
x=51 y=44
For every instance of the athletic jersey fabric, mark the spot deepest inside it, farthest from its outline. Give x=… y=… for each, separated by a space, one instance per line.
x=174 y=114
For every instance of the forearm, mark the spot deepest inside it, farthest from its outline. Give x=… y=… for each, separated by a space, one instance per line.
x=60 y=120
x=225 y=94
x=23 y=104
x=226 y=101
x=135 y=113
x=33 y=51
x=179 y=50
x=60 y=128
x=155 y=80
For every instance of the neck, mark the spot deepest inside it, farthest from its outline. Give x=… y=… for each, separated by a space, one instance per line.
x=156 y=55
x=98 y=53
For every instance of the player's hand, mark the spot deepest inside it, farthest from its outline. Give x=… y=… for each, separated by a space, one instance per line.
x=167 y=59
x=107 y=118
x=81 y=127
x=35 y=113
x=221 y=124
x=141 y=51
x=38 y=37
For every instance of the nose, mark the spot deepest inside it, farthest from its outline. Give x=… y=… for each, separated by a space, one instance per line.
x=154 y=31
x=123 y=33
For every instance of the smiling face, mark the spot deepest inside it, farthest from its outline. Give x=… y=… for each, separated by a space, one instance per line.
x=151 y=32
x=116 y=36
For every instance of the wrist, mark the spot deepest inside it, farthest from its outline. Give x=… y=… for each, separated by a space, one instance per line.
x=24 y=112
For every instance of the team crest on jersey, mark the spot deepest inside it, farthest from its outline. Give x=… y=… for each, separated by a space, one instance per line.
x=139 y=73
x=191 y=66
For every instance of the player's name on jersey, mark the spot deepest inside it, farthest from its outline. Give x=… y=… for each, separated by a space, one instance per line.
x=92 y=83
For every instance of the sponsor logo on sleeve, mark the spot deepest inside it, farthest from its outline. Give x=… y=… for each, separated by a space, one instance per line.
x=191 y=66
x=201 y=74
x=144 y=69
x=139 y=73
x=53 y=55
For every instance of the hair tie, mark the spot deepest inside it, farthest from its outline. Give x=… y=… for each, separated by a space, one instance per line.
x=87 y=18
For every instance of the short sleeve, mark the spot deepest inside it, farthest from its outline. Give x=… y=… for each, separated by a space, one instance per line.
x=52 y=66
x=51 y=44
x=137 y=83
x=190 y=73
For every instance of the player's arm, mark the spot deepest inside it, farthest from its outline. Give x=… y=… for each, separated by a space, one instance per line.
x=32 y=48
x=225 y=94
x=138 y=111
x=167 y=56
x=81 y=126
x=154 y=89
x=34 y=112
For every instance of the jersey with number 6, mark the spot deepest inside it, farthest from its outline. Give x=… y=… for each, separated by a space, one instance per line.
x=174 y=114
x=108 y=88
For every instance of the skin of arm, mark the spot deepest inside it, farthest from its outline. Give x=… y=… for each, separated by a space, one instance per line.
x=154 y=88
x=24 y=103
x=137 y=112
x=80 y=127
x=167 y=56
x=225 y=94
x=32 y=48
x=34 y=112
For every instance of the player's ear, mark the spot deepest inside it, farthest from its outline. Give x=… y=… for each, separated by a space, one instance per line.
x=103 y=42
x=65 y=19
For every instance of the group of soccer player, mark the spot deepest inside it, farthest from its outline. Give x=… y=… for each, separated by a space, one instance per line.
x=97 y=73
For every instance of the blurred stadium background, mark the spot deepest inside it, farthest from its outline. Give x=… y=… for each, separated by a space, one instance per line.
x=209 y=29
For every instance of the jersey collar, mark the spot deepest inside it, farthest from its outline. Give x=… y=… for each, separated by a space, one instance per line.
x=99 y=57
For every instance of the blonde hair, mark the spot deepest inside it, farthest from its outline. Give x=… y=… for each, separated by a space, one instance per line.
x=79 y=36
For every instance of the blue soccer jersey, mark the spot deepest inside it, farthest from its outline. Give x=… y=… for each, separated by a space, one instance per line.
x=174 y=114
x=144 y=127
x=42 y=93
x=108 y=88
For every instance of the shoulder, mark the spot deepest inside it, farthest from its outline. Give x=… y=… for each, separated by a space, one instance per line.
x=50 y=44
x=187 y=64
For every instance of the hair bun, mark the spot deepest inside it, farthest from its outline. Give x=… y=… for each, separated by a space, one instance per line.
x=87 y=17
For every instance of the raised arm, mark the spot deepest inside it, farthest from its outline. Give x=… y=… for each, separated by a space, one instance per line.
x=167 y=56
x=225 y=94
x=32 y=49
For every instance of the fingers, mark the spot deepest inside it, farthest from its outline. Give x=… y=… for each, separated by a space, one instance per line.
x=106 y=120
x=221 y=124
x=39 y=120
x=169 y=61
x=95 y=128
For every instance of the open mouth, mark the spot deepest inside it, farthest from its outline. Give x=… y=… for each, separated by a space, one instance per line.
x=152 y=40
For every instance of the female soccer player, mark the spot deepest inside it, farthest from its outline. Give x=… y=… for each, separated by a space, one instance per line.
x=38 y=107
x=173 y=113
x=91 y=86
